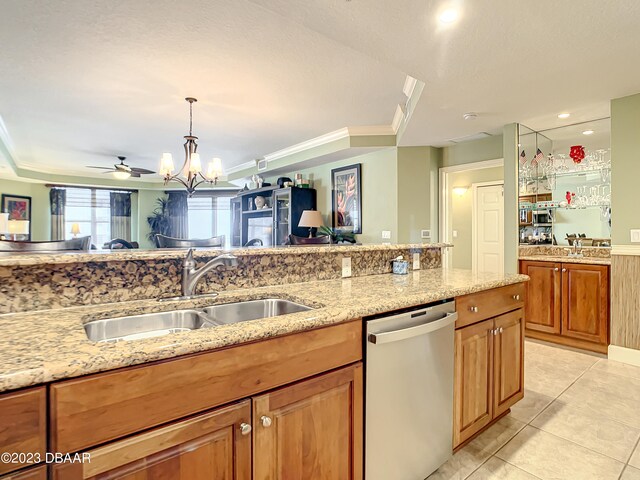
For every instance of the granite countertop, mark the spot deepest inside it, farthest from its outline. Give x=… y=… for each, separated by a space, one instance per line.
x=11 y=259
x=567 y=259
x=47 y=345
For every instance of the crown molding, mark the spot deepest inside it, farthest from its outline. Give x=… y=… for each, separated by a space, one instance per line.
x=632 y=250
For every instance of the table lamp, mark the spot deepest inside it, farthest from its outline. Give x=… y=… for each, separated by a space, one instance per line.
x=4 y=227
x=18 y=227
x=311 y=219
x=75 y=230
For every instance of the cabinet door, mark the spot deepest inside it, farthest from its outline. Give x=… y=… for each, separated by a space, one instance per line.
x=508 y=361
x=543 y=305
x=206 y=447
x=312 y=429
x=473 y=406
x=585 y=297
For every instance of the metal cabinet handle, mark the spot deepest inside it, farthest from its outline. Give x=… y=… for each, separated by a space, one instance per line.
x=266 y=421
x=556 y=269
x=500 y=330
x=564 y=269
x=473 y=309
x=516 y=297
x=245 y=428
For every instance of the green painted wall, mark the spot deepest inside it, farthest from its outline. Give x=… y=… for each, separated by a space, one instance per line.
x=461 y=211
x=625 y=167
x=488 y=148
x=146 y=204
x=379 y=192
x=418 y=193
x=40 y=213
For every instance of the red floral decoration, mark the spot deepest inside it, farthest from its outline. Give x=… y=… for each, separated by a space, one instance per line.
x=577 y=153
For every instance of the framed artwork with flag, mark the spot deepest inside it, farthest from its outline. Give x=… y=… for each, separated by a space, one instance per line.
x=346 y=199
x=18 y=208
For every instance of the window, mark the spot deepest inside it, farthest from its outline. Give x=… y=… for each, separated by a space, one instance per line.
x=210 y=216
x=91 y=210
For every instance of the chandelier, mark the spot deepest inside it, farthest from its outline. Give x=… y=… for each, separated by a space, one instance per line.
x=190 y=174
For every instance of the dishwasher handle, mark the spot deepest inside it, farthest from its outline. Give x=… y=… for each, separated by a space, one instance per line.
x=422 y=329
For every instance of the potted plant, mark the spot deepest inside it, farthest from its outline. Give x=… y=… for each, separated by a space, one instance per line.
x=159 y=220
x=337 y=237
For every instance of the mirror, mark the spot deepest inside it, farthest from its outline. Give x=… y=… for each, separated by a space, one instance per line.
x=565 y=184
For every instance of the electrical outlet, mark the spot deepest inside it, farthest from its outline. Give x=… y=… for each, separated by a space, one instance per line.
x=425 y=233
x=455 y=234
x=635 y=236
x=416 y=261
x=346 y=267
x=386 y=234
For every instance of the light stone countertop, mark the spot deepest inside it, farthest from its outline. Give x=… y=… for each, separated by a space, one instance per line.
x=47 y=345
x=11 y=259
x=567 y=259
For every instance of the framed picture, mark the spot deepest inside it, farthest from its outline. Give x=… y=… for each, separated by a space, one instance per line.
x=346 y=199
x=18 y=208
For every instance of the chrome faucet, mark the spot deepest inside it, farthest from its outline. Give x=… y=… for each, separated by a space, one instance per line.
x=191 y=276
x=577 y=248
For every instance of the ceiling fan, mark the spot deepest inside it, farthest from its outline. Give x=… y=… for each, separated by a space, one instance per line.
x=122 y=171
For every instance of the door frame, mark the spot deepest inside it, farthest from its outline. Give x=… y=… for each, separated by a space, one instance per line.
x=444 y=217
x=474 y=221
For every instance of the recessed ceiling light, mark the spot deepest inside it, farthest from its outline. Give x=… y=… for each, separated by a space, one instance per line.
x=564 y=115
x=588 y=132
x=449 y=15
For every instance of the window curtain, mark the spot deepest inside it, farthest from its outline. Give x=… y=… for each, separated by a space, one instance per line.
x=58 y=200
x=178 y=209
x=120 y=203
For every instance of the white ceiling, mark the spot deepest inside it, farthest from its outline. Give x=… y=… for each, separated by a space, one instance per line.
x=85 y=80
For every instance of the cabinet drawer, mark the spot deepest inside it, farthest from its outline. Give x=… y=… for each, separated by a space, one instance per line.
x=475 y=307
x=23 y=424
x=102 y=407
x=35 y=473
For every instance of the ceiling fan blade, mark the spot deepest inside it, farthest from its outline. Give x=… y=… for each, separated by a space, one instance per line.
x=142 y=171
x=102 y=168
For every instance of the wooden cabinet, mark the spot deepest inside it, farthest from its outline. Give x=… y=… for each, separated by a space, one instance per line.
x=312 y=429
x=209 y=446
x=568 y=303
x=543 y=305
x=35 y=473
x=489 y=372
x=23 y=424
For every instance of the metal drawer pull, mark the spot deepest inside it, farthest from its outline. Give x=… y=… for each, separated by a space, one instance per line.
x=266 y=421
x=516 y=297
x=564 y=269
x=473 y=309
x=500 y=330
x=245 y=428
x=556 y=269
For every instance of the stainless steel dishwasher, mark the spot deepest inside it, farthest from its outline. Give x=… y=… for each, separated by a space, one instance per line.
x=409 y=392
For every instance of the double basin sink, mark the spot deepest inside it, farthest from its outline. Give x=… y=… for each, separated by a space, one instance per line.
x=150 y=325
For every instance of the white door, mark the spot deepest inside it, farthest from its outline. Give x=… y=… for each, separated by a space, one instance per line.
x=488 y=228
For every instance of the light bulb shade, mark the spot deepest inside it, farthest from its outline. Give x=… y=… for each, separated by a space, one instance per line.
x=195 y=165
x=214 y=169
x=75 y=229
x=311 y=218
x=166 y=164
x=18 y=227
x=460 y=191
x=121 y=175
x=4 y=220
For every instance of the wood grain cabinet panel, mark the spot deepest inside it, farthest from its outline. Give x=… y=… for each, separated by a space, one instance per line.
x=508 y=361
x=206 y=447
x=585 y=295
x=23 y=424
x=312 y=429
x=475 y=307
x=35 y=473
x=99 y=408
x=543 y=306
x=473 y=409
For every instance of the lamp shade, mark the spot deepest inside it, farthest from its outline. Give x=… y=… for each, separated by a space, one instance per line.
x=75 y=229
x=18 y=227
x=4 y=220
x=311 y=218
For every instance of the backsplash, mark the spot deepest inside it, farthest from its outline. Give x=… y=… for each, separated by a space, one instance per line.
x=59 y=285
x=558 y=251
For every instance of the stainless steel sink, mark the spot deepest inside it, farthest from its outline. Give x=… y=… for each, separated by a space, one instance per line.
x=145 y=326
x=252 y=310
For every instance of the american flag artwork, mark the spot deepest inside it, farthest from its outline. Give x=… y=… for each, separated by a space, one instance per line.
x=535 y=160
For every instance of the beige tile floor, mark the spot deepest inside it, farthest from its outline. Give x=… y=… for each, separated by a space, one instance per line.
x=579 y=420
